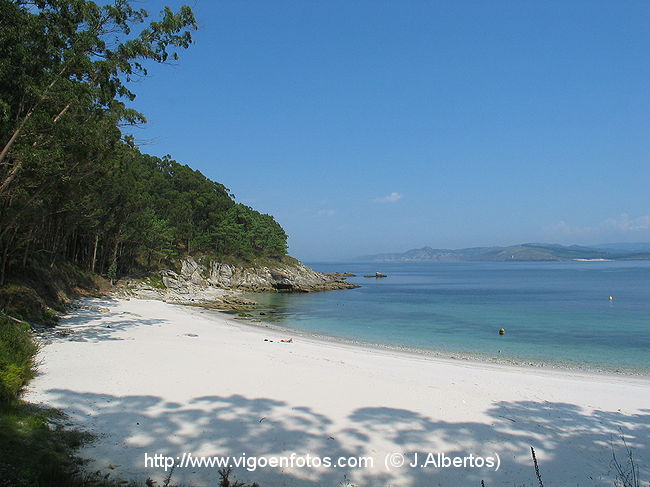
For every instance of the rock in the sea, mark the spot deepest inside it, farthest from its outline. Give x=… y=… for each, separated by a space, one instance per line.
x=340 y=274
x=376 y=274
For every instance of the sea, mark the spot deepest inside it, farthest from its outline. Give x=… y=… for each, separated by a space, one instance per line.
x=554 y=314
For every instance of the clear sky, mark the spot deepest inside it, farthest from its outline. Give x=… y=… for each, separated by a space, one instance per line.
x=373 y=126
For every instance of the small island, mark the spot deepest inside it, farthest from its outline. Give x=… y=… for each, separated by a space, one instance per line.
x=377 y=275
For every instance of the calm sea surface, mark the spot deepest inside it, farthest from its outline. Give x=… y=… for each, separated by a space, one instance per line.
x=552 y=312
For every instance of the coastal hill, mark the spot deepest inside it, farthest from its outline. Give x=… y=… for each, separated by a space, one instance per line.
x=522 y=252
x=83 y=211
x=80 y=205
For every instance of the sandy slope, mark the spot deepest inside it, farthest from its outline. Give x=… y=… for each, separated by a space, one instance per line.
x=150 y=377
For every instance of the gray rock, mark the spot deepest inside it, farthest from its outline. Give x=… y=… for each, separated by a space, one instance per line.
x=214 y=284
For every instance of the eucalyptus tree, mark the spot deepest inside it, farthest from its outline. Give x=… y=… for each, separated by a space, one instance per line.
x=59 y=53
x=73 y=187
x=65 y=68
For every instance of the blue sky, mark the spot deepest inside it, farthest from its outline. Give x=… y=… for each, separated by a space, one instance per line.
x=378 y=126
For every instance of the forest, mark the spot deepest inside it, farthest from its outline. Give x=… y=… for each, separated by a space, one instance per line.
x=79 y=200
x=74 y=187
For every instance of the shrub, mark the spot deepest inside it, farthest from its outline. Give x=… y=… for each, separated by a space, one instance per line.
x=21 y=301
x=17 y=359
x=156 y=281
x=36 y=450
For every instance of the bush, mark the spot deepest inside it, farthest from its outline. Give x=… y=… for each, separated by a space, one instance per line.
x=156 y=281
x=17 y=359
x=21 y=301
x=36 y=449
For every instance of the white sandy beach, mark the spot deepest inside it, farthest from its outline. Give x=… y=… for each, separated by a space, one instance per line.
x=150 y=377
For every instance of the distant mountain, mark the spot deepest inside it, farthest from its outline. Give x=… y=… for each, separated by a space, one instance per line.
x=523 y=252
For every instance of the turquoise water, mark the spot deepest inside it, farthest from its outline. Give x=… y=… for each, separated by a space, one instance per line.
x=557 y=312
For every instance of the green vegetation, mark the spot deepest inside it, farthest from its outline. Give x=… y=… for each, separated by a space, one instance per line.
x=36 y=451
x=73 y=187
x=156 y=281
x=41 y=290
x=77 y=197
x=17 y=359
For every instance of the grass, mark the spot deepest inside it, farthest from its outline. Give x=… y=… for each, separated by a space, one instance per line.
x=37 y=449
x=17 y=359
x=40 y=290
x=627 y=472
x=22 y=301
x=155 y=281
x=225 y=481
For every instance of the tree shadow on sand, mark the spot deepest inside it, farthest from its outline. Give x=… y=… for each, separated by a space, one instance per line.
x=574 y=446
x=95 y=321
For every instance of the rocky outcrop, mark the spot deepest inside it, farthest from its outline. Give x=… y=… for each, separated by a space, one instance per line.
x=294 y=277
x=205 y=283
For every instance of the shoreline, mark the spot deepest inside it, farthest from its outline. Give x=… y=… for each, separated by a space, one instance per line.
x=450 y=356
x=148 y=377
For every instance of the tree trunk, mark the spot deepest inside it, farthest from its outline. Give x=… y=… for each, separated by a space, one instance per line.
x=7 y=147
x=5 y=257
x=3 y=263
x=10 y=142
x=26 y=253
x=92 y=267
x=116 y=248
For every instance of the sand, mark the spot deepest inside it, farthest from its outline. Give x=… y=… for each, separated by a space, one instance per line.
x=148 y=378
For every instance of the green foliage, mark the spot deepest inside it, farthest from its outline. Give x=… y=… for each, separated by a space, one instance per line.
x=156 y=281
x=50 y=316
x=246 y=233
x=76 y=193
x=112 y=271
x=21 y=301
x=17 y=359
x=72 y=187
x=35 y=451
x=39 y=292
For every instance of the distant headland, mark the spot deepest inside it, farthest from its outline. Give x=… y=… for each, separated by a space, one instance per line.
x=521 y=252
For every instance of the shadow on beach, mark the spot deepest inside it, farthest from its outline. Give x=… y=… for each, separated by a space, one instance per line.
x=94 y=321
x=574 y=447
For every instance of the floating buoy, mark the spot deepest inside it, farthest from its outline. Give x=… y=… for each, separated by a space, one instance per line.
x=502 y=331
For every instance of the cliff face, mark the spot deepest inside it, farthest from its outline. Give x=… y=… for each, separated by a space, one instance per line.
x=222 y=285
x=283 y=277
